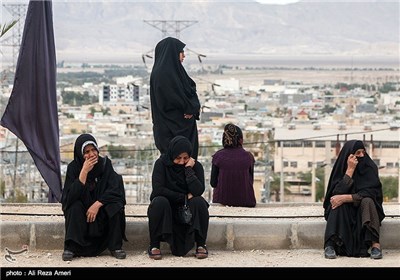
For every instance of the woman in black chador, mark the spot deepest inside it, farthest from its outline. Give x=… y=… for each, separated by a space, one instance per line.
x=93 y=203
x=176 y=176
x=353 y=205
x=175 y=106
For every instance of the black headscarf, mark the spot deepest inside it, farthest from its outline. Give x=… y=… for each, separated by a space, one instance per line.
x=172 y=94
x=176 y=172
x=232 y=137
x=366 y=180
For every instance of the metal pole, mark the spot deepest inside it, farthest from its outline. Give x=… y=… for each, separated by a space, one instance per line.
x=327 y=168
x=15 y=167
x=313 y=176
x=282 y=188
x=267 y=184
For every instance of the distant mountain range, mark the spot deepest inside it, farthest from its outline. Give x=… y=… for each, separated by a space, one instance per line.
x=117 y=31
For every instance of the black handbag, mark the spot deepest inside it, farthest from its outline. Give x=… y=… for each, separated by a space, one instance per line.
x=184 y=214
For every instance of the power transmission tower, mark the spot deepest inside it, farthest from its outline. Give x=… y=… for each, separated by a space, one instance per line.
x=171 y=27
x=18 y=12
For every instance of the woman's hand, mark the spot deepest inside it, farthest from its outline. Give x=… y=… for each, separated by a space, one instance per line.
x=190 y=162
x=336 y=201
x=89 y=163
x=351 y=165
x=92 y=212
x=352 y=161
x=189 y=195
x=339 y=199
x=187 y=116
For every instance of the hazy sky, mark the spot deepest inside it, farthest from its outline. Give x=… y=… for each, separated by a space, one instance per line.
x=279 y=35
x=282 y=2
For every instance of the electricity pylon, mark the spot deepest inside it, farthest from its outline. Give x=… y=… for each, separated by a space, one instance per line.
x=171 y=27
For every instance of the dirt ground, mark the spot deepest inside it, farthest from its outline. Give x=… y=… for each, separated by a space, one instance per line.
x=227 y=261
x=253 y=258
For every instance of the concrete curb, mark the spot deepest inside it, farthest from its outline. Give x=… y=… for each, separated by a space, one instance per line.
x=224 y=234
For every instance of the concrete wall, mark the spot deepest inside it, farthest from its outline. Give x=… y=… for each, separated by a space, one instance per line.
x=224 y=234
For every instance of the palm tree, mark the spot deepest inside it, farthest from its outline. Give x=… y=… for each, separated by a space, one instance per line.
x=7 y=26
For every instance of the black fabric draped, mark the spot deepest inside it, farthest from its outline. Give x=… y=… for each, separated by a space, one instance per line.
x=103 y=184
x=171 y=183
x=353 y=226
x=172 y=94
x=32 y=112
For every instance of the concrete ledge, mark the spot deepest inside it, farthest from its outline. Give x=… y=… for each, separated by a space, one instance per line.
x=225 y=234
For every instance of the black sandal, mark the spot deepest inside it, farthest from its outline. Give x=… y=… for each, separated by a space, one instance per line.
x=154 y=253
x=68 y=255
x=201 y=252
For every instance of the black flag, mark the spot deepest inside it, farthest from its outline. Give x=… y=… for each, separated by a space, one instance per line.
x=31 y=113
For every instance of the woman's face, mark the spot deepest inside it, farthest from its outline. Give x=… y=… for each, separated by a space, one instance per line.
x=181 y=56
x=90 y=151
x=359 y=153
x=182 y=159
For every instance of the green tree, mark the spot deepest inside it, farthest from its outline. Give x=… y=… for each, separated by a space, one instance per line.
x=77 y=99
x=275 y=187
x=117 y=151
x=387 y=87
x=328 y=109
x=390 y=187
x=19 y=197
x=92 y=110
x=319 y=184
x=2 y=188
x=106 y=111
x=5 y=27
x=146 y=153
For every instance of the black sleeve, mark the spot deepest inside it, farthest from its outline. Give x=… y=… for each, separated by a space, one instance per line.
x=73 y=188
x=343 y=186
x=195 y=179
x=159 y=185
x=114 y=191
x=214 y=176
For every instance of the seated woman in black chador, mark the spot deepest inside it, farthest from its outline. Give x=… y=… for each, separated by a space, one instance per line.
x=93 y=203
x=353 y=205
x=232 y=171
x=177 y=175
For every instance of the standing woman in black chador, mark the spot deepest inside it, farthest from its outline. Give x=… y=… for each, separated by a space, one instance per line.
x=175 y=106
x=353 y=205
x=93 y=203
x=177 y=177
